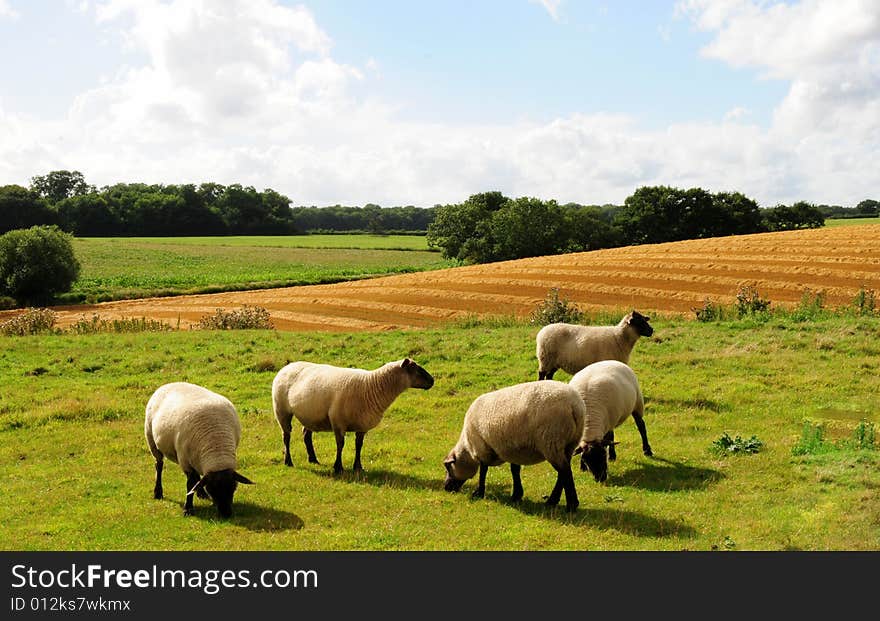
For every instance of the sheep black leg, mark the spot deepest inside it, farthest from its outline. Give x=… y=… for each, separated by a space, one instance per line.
x=310 y=448
x=287 y=460
x=564 y=481
x=358 y=444
x=157 y=490
x=517 y=483
x=481 y=484
x=571 y=495
x=553 y=498
x=340 y=442
x=609 y=440
x=643 y=431
x=191 y=479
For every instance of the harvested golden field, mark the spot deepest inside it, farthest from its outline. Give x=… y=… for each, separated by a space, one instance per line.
x=668 y=278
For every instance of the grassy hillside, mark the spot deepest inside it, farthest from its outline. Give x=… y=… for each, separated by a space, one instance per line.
x=78 y=474
x=120 y=268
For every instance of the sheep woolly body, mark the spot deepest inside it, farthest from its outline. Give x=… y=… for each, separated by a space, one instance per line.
x=325 y=397
x=572 y=347
x=523 y=424
x=193 y=427
x=610 y=391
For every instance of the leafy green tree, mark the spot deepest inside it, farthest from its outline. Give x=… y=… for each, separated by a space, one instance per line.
x=741 y=215
x=36 y=264
x=590 y=229
x=462 y=230
x=89 y=215
x=801 y=215
x=527 y=227
x=60 y=184
x=868 y=206
x=21 y=208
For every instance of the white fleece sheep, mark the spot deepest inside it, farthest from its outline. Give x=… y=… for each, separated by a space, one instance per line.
x=610 y=390
x=571 y=347
x=199 y=430
x=523 y=424
x=323 y=397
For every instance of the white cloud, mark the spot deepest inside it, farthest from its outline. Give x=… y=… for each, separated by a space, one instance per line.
x=551 y=6
x=248 y=92
x=6 y=11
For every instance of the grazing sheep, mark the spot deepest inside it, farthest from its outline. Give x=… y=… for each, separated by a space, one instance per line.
x=571 y=347
x=325 y=398
x=523 y=424
x=610 y=391
x=199 y=430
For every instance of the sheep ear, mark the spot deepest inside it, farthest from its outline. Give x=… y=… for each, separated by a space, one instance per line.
x=242 y=479
x=406 y=362
x=198 y=486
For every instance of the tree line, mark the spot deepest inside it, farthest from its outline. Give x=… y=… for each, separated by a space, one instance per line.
x=64 y=198
x=492 y=227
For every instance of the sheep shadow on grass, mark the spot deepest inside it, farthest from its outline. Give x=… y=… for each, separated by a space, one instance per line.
x=386 y=478
x=664 y=475
x=602 y=518
x=252 y=517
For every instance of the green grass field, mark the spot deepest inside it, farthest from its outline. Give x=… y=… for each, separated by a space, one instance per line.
x=119 y=268
x=78 y=475
x=850 y=221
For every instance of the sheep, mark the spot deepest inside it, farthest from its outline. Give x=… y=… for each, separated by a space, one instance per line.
x=199 y=430
x=522 y=424
x=611 y=392
x=329 y=398
x=571 y=347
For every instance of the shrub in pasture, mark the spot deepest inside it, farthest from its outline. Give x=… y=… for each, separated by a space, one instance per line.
x=863 y=436
x=36 y=264
x=96 y=324
x=749 y=302
x=811 y=307
x=813 y=441
x=245 y=318
x=726 y=445
x=31 y=321
x=555 y=310
x=865 y=302
x=7 y=302
x=710 y=311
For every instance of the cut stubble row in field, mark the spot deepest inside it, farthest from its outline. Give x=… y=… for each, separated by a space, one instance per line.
x=671 y=278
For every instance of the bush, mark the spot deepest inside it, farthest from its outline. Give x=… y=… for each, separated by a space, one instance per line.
x=710 y=311
x=31 y=321
x=245 y=318
x=865 y=302
x=555 y=310
x=725 y=444
x=36 y=264
x=812 y=440
x=96 y=324
x=749 y=302
x=811 y=306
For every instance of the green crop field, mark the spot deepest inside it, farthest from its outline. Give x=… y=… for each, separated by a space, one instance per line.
x=850 y=221
x=119 y=268
x=78 y=475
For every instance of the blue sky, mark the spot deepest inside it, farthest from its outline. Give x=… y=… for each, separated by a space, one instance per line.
x=395 y=102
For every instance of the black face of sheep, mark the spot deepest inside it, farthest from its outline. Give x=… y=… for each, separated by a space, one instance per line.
x=640 y=323
x=451 y=484
x=221 y=486
x=419 y=378
x=595 y=458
